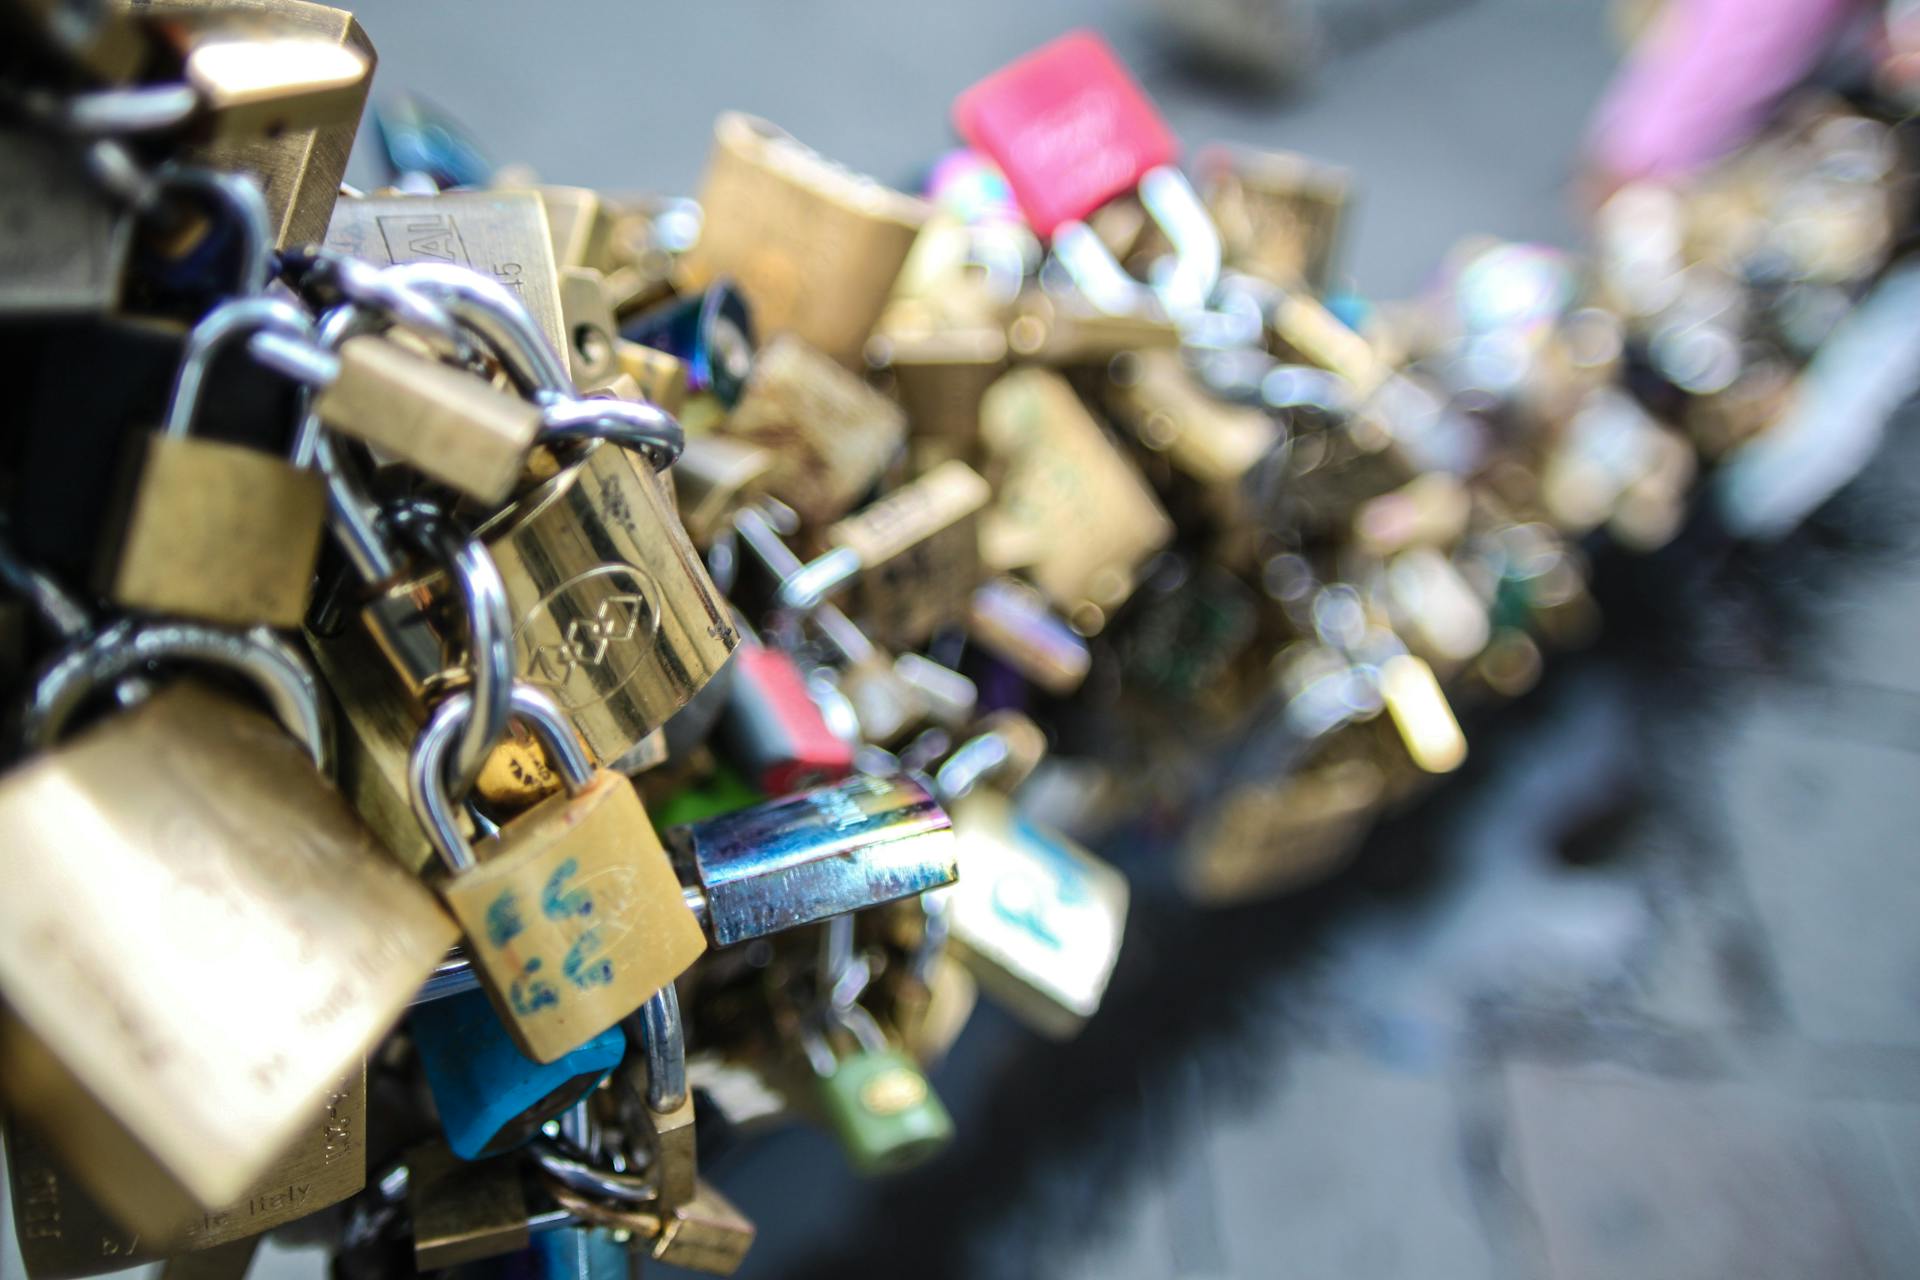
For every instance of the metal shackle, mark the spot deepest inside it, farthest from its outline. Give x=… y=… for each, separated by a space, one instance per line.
x=427 y=766
x=242 y=198
x=274 y=666
x=661 y=1032
x=489 y=310
x=221 y=326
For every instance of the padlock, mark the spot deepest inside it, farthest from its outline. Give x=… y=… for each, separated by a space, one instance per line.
x=1280 y=213
x=572 y=912
x=814 y=246
x=1036 y=918
x=592 y=351
x=660 y=376
x=449 y=424
x=63 y=241
x=491 y=1097
x=914 y=555
x=1271 y=836
x=1218 y=446
x=1071 y=130
x=298 y=168
x=1007 y=747
x=252 y=82
x=771 y=727
x=1058 y=327
x=581 y=225
x=242 y=957
x=830 y=434
x=501 y=234
x=613 y=613
x=803 y=858
x=710 y=334
x=1011 y=621
x=63 y=1232
x=463 y=1211
x=877 y=1101
x=707 y=1234
x=215 y=530
x=1071 y=513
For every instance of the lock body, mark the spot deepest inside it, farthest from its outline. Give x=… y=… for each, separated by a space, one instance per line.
x=799 y=859
x=574 y=917
x=814 y=246
x=244 y=953
x=879 y=1105
x=773 y=730
x=502 y=234
x=614 y=615
x=490 y=1096
x=218 y=531
x=919 y=552
x=64 y=1232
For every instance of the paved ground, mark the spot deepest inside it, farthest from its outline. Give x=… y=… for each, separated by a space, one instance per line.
x=1639 y=996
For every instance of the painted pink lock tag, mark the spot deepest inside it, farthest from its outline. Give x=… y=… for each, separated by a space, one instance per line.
x=1069 y=127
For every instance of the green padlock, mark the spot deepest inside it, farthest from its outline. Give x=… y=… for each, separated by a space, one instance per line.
x=877 y=1101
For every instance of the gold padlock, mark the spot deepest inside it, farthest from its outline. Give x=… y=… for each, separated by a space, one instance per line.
x=463 y=1210
x=586 y=311
x=237 y=958
x=63 y=1232
x=714 y=475
x=831 y=435
x=572 y=911
x=299 y=168
x=1071 y=514
x=613 y=612
x=502 y=234
x=1279 y=213
x=918 y=554
x=1215 y=444
x=214 y=530
x=815 y=247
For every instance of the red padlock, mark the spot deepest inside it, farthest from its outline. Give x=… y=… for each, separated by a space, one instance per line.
x=773 y=731
x=1071 y=129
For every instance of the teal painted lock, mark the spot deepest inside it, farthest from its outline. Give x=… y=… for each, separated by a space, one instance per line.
x=877 y=1101
x=491 y=1097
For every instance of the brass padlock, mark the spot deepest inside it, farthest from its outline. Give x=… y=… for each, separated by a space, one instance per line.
x=572 y=912
x=63 y=1232
x=1071 y=513
x=446 y=423
x=463 y=1210
x=586 y=310
x=831 y=435
x=214 y=530
x=299 y=169
x=500 y=234
x=814 y=246
x=1280 y=214
x=658 y=1099
x=613 y=612
x=239 y=957
x=714 y=476
x=1063 y=329
x=1217 y=445
x=914 y=556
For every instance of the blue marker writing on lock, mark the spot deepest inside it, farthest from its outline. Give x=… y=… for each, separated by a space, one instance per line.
x=583 y=965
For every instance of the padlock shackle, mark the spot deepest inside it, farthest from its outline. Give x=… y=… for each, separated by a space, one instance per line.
x=272 y=665
x=427 y=765
x=243 y=199
x=58 y=609
x=489 y=310
x=221 y=326
x=375 y=289
x=489 y=627
x=661 y=1032
x=640 y=426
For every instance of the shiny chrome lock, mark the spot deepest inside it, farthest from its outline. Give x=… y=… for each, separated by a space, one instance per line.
x=802 y=858
x=491 y=1097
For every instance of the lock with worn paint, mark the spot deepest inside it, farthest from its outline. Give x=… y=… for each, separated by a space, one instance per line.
x=876 y=1099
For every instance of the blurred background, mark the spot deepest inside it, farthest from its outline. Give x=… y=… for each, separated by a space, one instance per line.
x=1636 y=993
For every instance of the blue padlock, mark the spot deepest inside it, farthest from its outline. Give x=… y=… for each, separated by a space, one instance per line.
x=492 y=1097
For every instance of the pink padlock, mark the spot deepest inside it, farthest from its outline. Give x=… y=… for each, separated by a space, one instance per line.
x=1071 y=130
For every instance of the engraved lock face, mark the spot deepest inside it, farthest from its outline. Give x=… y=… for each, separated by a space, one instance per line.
x=63 y=1232
x=814 y=246
x=244 y=940
x=802 y=858
x=490 y=1096
x=298 y=169
x=614 y=615
x=884 y=1112
x=919 y=551
x=1037 y=918
x=1068 y=126
x=502 y=234
x=1072 y=513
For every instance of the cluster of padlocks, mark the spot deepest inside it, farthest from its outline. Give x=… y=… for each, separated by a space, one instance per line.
x=550 y=654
